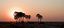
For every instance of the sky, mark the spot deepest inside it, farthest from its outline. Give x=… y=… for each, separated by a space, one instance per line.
x=51 y=10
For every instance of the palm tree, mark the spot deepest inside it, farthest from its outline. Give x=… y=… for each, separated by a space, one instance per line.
x=39 y=17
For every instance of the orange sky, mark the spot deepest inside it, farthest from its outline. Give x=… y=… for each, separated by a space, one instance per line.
x=52 y=10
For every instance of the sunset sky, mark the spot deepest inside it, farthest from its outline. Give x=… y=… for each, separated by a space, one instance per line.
x=51 y=10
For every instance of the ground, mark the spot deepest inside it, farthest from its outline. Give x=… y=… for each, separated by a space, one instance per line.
x=31 y=24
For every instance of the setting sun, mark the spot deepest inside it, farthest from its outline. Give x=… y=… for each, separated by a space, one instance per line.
x=13 y=9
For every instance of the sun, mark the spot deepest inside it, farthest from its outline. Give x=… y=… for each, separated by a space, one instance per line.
x=13 y=9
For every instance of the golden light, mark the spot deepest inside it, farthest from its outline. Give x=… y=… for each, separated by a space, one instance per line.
x=12 y=10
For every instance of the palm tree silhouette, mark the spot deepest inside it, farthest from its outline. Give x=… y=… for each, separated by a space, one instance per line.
x=39 y=17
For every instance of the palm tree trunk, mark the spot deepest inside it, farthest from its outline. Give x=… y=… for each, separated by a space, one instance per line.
x=40 y=20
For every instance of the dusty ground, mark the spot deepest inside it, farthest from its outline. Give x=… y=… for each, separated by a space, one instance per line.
x=31 y=24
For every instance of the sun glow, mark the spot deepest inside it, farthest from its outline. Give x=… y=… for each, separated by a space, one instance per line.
x=13 y=9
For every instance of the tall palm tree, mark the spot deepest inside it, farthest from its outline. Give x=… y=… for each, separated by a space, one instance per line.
x=39 y=17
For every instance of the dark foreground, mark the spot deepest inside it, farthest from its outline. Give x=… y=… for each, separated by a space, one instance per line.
x=31 y=25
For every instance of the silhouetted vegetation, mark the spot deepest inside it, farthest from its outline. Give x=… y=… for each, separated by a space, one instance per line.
x=27 y=16
x=18 y=15
x=39 y=17
x=23 y=15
